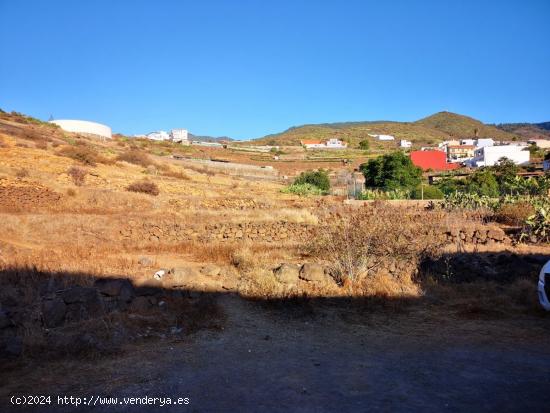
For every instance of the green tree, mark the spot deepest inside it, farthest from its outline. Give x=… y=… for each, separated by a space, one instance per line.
x=391 y=171
x=318 y=178
x=483 y=182
x=364 y=145
x=427 y=192
x=505 y=171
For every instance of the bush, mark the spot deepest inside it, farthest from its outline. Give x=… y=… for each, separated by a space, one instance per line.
x=514 y=213
x=378 y=194
x=391 y=171
x=318 y=179
x=145 y=187
x=303 y=190
x=136 y=157
x=364 y=145
x=428 y=191
x=84 y=154
x=78 y=175
x=22 y=173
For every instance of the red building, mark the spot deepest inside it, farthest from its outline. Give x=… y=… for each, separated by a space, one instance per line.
x=434 y=160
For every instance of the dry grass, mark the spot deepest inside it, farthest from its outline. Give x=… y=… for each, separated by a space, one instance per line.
x=77 y=174
x=84 y=154
x=136 y=157
x=514 y=214
x=145 y=187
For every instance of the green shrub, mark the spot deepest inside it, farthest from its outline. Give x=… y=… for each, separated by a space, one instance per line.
x=427 y=192
x=304 y=189
x=391 y=171
x=318 y=179
x=364 y=145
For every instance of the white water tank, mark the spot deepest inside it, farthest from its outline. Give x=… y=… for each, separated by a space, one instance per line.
x=84 y=127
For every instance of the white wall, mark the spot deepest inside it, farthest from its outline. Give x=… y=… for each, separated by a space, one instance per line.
x=84 y=126
x=490 y=155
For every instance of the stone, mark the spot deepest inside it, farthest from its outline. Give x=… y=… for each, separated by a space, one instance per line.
x=211 y=270
x=287 y=273
x=313 y=273
x=180 y=277
x=79 y=294
x=140 y=304
x=53 y=312
x=115 y=287
x=145 y=261
x=496 y=234
x=5 y=320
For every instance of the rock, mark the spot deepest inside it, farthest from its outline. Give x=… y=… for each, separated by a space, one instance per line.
x=79 y=294
x=115 y=287
x=211 y=270
x=180 y=277
x=53 y=312
x=313 y=273
x=287 y=273
x=496 y=234
x=140 y=304
x=159 y=274
x=11 y=346
x=145 y=261
x=5 y=320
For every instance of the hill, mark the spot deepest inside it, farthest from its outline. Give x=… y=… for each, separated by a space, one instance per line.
x=426 y=131
x=527 y=130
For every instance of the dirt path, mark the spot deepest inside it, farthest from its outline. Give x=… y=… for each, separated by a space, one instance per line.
x=271 y=359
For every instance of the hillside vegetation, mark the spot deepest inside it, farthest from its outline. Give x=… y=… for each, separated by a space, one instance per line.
x=427 y=131
x=527 y=130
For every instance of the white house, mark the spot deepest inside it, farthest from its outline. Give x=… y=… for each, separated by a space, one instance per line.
x=405 y=143
x=383 y=137
x=332 y=143
x=481 y=143
x=469 y=142
x=158 y=136
x=180 y=135
x=490 y=155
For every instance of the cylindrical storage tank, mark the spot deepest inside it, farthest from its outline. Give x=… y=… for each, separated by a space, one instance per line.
x=84 y=127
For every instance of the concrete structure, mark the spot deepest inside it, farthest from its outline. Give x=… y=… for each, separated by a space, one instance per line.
x=383 y=137
x=469 y=142
x=460 y=153
x=332 y=143
x=84 y=127
x=541 y=143
x=481 y=143
x=434 y=160
x=490 y=155
x=180 y=136
x=158 y=136
x=405 y=143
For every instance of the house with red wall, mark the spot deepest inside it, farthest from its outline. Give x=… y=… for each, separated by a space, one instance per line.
x=434 y=160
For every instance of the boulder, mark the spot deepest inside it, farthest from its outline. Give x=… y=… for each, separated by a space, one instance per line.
x=53 y=312
x=496 y=234
x=115 y=287
x=313 y=273
x=180 y=277
x=211 y=270
x=5 y=320
x=287 y=273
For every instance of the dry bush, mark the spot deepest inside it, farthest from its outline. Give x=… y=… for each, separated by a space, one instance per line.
x=84 y=154
x=22 y=173
x=41 y=145
x=71 y=192
x=136 y=157
x=364 y=241
x=514 y=214
x=77 y=174
x=145 y=187
x=176 y=174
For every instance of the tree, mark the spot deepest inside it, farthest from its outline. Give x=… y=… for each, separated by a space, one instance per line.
x=506 y=172
x=483 y=182
x=364 y=145
x=318 y=178
x=391 y=171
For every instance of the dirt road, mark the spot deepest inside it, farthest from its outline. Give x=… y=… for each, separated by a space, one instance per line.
x=302 y=358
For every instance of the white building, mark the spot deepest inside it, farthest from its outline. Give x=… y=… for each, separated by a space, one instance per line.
x=180 y=135
x=405 y=143
x=481 y=143
x=383 y=137
x=84 y=127
x=490 y=155
x=541 y=143
x=469 y=142
x=335 y=143
x=332 y=143
x=203 y=143
x=158 y=136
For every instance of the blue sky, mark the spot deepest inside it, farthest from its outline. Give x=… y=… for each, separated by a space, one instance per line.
x=249 y=68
